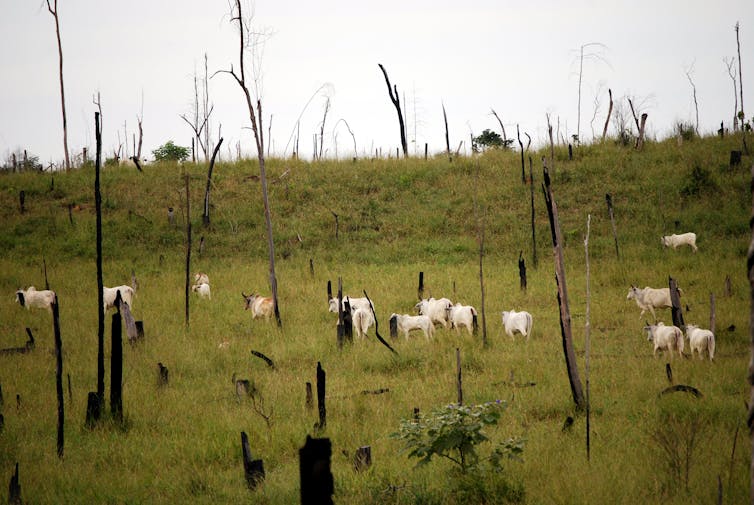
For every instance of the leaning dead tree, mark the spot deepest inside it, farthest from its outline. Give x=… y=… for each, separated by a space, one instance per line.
x=393 y=92
x=565 y=312
x=54 y=12
x=502 y=126
x=609 y=112
x=255 y=116
x=447 y=137
x=205 y=215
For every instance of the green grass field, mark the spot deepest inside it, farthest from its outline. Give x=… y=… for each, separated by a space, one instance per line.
x=181 y=443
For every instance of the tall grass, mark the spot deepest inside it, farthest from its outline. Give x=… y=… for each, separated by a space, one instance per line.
x=181 y=443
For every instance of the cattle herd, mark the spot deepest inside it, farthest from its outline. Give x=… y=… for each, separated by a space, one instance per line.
x=433 y=312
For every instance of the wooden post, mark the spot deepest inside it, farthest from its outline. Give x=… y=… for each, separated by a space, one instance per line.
x=362 y=460
x=393 y=327
x=116 y=366
x=735 y=159
x=570 y=152
x=675 y=299
x=609 y=200
x=253 y=469
x=426 y=147
x=560 y=280
x=712 y=312
x=309 y=397
x=58 y=374
x=14 y=489
x=14 y=162
x=321 y=378
x=640 y=139
x=139 y=330
x=420 y=290
x=187 y=285
x=459 y=381
x=205 y=215
x=522 y=270
x=21 y=200
x=317 y=484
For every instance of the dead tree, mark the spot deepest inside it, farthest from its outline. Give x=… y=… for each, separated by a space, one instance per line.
x=205 y=216
x=116 y=365
x=321 y=407
x=587 y=334
x=187 y=284
x=609 y=112
x=393 y=93
x=675 y=300
x=54 y=11
x=255 y=116
x=253 y=469
x=447 y=138
x=521 y=146
x=560 y=280
x=96 y=412
x=690 y=71
x=317 y=485
x=502 y=127
x=58 y=373
x=322 y=127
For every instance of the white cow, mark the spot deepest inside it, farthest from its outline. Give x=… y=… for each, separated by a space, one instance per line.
x=463 y=315
x=201 y=278
x=261 y=306
x=202 y=289
x=517 y=322
x=649 y=299
x=665 y=338
x=405 y=323
x=30 y=297
x=356 y=303
x=362 y=319
x=700 y=340
x=674 y=240
x=436 y=310
x=109 y=295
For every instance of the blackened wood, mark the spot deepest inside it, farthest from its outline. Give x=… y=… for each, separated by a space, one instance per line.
x=393 y=92
x=58 y=373
x=267 y=360
x=522 y=270
x=116 y=368
x=311 y=271
x=347 y=321
x=521 y=146
x=329 y=291
x=362 y=460
x=205 y=216
x=393 y=327
x=669 y=372
x=2 y=423
x=341 y=324
x=201 y=246
x=560 y=280
x=570 y=152
x=375 y=391
x=317 y=484
x=100 y=285
x=18 y=402
x=609 y=200
x=309 y=397
x=44 y=268
x=420 y=289
x=14 y=489
x=712 y=321
x=20 y=350
x=92 y=409
x=377 y=325
x=22 y=200
x=675 y=300
x=416 y=414
x=447 y=137
x=459 y=379
x=70 y=390
x=137 y=163
x=163 y=377
x=321 y=407
x=131 y=331
x=139 y=330
x=1 y=396
x=735 y=160
x=253 y=469
x=426 y=147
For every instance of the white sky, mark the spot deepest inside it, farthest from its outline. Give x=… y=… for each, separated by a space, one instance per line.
x=520 y=58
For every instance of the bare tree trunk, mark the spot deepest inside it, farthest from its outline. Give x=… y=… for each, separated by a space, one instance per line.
x=609 y=112
x=447 y=137
x=54 y=12
x=640 y=138
x=693 y=89
x=255 y=116
x=741 y=114
x=393 y=93
x=205 y=217
x=188 y=249
x=502 y=127
x=100 y=293
x=587 y=335
x=58 y=374
x=565 y=312
x=521 y=146
x=322 y=127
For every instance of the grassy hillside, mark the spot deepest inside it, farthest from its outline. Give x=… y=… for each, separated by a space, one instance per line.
x=395 y=218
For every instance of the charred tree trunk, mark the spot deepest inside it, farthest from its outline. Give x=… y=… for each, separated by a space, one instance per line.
x=675 y=299
x=521 y=146
x=205 y=216
x=317 y=485
x=640 y=138
x=116 y=367
x=96 y=413
x=58 y=374
x=447 y=137
x=565 y=312
x=393 y=93
x=187 y=285
x=253 y=469
x=322 y=409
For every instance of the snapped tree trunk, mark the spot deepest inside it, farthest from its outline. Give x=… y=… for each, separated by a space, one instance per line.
x=393 y=93
x=447 y=137
x=750 y=377
x=565 y=312
x=609 y=111
x=205 y=216
x=100 y=294
x=54 y=12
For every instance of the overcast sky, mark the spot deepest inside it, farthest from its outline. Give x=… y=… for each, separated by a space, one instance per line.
x=519 y=58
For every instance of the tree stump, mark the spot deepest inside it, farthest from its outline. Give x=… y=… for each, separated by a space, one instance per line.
x=317 y=484
x=362 y=460
x=321 y=378
x=253 y=468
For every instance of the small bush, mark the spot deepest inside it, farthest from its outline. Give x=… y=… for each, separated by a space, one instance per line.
x=685 y=131
x=699 y=181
